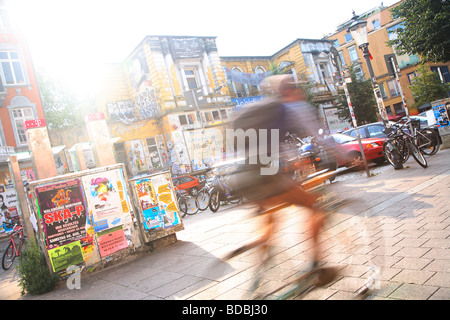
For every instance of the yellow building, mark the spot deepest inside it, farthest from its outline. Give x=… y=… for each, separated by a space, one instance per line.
x=308 y=60
x=166 y=104
x=381 y=28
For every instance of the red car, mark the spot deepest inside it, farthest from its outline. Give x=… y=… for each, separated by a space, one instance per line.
x=187 y=183
x=347 y=149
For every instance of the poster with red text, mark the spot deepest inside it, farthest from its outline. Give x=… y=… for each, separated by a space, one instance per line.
x=111 y=240
x=63 y=212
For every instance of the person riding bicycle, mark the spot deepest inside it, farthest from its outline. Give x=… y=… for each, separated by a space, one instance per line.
x=285 y=112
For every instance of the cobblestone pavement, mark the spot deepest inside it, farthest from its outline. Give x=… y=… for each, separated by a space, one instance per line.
x=397 y=223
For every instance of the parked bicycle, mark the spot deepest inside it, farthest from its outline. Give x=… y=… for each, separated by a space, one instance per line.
x=187 y=203
x=400 y=144
x=222 y=191
x=13 y=249
x=203 y=196
x=426 y=139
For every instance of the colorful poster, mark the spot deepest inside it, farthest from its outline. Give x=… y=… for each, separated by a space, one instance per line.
x=63 y=212
x=8 y=208
x=149 y=204
x=158 y=202
x=65 y=256
x=111 y=240
x=107 y=199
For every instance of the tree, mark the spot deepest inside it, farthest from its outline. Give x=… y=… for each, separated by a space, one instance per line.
x=61 y=106
x=427 y=87
x=363 y=100
x=425 y=30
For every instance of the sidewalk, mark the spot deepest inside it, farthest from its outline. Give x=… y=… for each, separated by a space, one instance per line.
x=399 y=221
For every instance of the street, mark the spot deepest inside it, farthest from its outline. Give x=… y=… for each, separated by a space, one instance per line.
x=396 y=222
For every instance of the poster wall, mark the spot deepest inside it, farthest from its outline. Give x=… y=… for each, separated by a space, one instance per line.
x=157 y=205
x=157 y=202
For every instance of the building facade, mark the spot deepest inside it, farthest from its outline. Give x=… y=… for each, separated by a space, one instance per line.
x=308 y=60
x=19 y=95
x=166 y=104
x=381 y=28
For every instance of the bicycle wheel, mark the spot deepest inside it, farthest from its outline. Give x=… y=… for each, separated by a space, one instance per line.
x=192 y=205
x=183 y=207
x=214 y=201
x=417 y=155
x=395 y=153
x=8 y=256
x=203 y=199
x=428 y=141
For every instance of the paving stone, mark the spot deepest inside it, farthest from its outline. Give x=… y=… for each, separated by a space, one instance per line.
x=413 y=292
x=413 y=276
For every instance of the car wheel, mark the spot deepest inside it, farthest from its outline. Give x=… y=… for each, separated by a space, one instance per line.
x=355 y=160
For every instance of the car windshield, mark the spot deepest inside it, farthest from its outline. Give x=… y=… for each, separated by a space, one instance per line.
x=342 y=138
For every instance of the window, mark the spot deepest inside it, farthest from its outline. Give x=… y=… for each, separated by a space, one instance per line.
x=411 y=77
x=376 y=24
x=153 y=153
x=12 y=67
x=359 y=72
x=183 y=120
x=399 y=109
x=388 y=110
x=352 y=53
x=348 y=37
x=223 y=113
x=442 y=71
x=383 y=92
x=362 y=133
x=191 y=79
x=19 y=117
x=216 y=115
x=341 y=55
x=5 y=22
x=376 y=131
x=393 y=88
x=336 y=43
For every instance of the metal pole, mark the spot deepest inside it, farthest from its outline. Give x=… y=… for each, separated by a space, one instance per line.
x=358 y=136
x=376 y=88
x=396 y=71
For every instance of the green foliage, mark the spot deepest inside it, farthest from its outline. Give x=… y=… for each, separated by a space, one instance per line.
x=426 y=29
x=363 y=100
x=61 y=106
x=35 y=277
x=427 y=87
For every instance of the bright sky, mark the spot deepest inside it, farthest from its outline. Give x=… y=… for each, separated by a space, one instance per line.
x=73 y=39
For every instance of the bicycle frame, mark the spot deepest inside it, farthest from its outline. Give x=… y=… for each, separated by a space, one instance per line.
x=17 y=231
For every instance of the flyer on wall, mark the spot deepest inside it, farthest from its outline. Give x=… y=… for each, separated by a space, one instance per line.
x=107 y=199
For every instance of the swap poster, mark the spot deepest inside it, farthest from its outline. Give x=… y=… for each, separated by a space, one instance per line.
x=63 y=212
x=65 y=256
x=107 y=199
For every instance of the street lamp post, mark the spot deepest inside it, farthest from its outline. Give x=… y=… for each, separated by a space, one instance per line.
x=358 y=30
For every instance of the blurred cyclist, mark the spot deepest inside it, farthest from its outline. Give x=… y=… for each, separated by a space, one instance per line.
x=288 y=112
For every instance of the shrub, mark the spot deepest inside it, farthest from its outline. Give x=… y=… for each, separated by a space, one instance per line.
x=35 y=277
